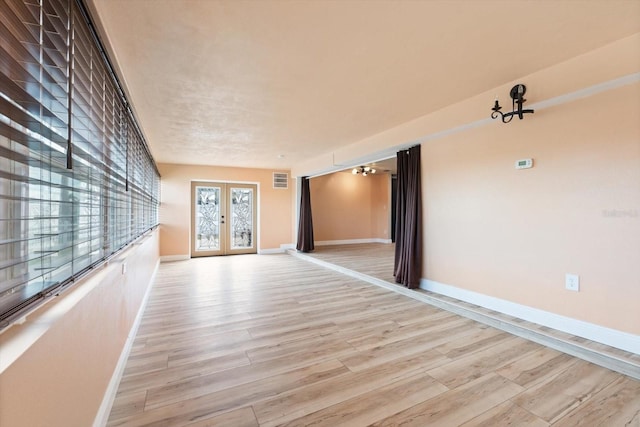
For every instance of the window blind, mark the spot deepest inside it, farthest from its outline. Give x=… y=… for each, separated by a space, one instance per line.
x=77 y=180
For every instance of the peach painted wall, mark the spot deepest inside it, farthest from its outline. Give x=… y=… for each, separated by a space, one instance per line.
x=515 y=234
x=381 y=206
x=68 y=349
x=347 y=206
x=274 y=207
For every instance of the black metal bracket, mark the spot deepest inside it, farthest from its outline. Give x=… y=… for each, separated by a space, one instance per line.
x=517 y=100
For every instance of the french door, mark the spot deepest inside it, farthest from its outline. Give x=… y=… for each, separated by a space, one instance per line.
x=223 y=219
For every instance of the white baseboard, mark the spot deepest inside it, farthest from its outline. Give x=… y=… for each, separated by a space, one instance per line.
x=282 y=249
x=110 y=395
x=271 y=251
x=350 y=241
x=169 y=258
x=611 y=337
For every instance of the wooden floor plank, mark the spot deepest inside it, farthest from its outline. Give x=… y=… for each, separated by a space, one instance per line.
x=479 y=363
x=374 y=405
x=616 y=405
x=228 y=399
x=259 y=340
x=198 y=386
x=536 y=366
x=506 y=414
x=377 y=354
x=561 y=394
x=301 y=402
x=242 y=417
x=471 y=399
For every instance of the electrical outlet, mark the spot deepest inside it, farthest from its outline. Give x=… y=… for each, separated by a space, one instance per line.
x=572 y=282
x=124 y=268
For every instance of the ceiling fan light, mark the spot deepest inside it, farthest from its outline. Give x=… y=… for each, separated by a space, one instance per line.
x=354 y=171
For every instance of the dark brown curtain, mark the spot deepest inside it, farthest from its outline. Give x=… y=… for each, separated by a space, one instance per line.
x=408 y=260
x=305 y=226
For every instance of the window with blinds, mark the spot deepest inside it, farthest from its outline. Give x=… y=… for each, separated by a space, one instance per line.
x=77 y=180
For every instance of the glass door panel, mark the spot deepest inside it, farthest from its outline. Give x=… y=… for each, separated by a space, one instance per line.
x=242 y=213
x=207 y=218
x=207 y=234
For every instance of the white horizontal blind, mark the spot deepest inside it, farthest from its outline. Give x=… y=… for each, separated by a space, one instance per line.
x=58 y=96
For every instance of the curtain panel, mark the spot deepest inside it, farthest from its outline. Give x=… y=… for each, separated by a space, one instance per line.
x=305 y=226
x=408 y=256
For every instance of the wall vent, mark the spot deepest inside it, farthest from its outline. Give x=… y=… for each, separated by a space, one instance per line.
x=281 y=180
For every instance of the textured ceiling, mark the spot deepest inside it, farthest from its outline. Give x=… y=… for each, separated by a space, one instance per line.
x=270 y=83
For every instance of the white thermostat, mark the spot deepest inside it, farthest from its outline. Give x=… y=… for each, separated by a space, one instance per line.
x=524 y=164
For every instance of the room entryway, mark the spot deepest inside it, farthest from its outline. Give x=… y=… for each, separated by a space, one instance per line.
x=223 y=218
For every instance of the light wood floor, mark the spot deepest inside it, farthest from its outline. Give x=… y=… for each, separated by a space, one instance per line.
x=266 y=340
x=373 y=259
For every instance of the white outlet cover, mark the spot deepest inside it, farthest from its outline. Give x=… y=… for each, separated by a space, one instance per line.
x=572 y=282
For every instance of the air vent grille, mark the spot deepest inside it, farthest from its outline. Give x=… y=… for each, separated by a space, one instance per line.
x=280 y=180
